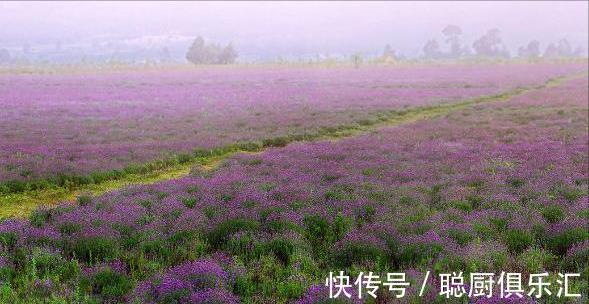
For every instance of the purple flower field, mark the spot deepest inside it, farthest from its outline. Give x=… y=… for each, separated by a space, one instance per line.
x=499 y=186
x=77 y=123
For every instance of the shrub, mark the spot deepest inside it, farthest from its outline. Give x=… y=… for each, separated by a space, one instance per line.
x=318 y=230
x=69 y=228
x=95 y=249
x=189 y=202
x=518 y=240
x=461 y=205
x=290 y=289
x=45 y=262
x=282 y=249
x=417 y=254
x=219 y=235
x=250 y=146
x=184 y=158
x=537 y=260
x=110 y=284
x=553 y=213
x=84 y=199
x=460 y=236
x=276 y=142
x=40 y=216
x=499 y=223
x=357 y=253
x=560 y=243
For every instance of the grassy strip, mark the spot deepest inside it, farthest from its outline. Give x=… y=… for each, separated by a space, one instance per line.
x=20 y=199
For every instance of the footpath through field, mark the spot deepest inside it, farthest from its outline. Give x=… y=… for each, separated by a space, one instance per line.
x=21 y=204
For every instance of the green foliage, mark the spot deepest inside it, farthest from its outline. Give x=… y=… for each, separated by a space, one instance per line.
x=461 y=205
x=537 y=260
x=110 y=284
x=518 y=240
x=276 y=142
x=96 y=249
x=219 y=235
x=359 y=254
x=553 y=213
x=560 y=243
x=282 y=249
x=40 y=216
x=417 y=254
x=461 y=237
x=189 y=202
x=84 y=199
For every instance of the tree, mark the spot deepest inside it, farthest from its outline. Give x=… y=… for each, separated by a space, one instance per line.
x=356 y=59
x=431 y=49
x=551 y=51
x=452 y=33
x=564 y=48
x=200 y=53
x=4 y=56
x=165 y=55
x=388 y=51
x=388 y=54
x=579 y=51
x=532 y=50
x=228 y=55
x=490 y=45
x=196 y=51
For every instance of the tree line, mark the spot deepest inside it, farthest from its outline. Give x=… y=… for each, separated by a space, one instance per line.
x=491 y=45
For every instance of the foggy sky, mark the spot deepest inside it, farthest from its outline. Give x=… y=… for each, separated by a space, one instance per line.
x=305 y=27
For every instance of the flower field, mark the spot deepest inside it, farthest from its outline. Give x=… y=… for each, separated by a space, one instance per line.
x=495 y=186
x=75 y=128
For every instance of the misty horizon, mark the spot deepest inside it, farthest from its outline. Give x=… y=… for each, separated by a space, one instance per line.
x=285 y=29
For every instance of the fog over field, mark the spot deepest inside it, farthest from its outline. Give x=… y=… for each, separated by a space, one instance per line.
x=294 y=152
x=282 y=29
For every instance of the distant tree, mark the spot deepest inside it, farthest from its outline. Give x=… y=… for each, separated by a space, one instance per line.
x=490 y=45
x=165 y=55
x=26 y=48
x=200 y=53
x=452 y=33
x=228 y=55
x=356 y=59
x=4 y=56
x=579 y=51
x=388 y=55
x=431 y=49
x=195 y=53
x=388 y=51
x=564 y=48
x=551 y=51
x=532 y=50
